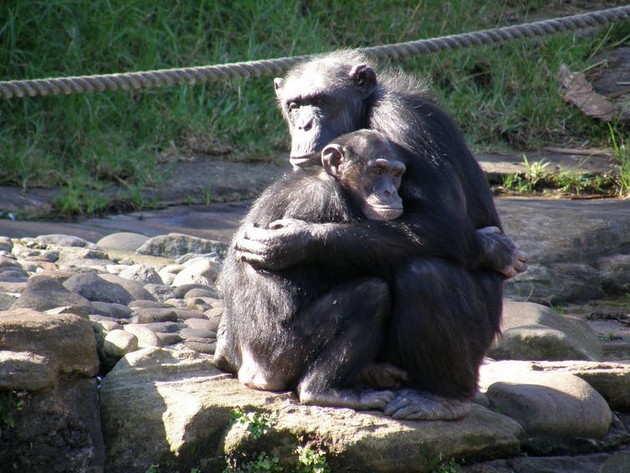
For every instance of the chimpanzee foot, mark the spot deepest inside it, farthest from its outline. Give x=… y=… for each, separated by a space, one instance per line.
x=380 y=375
x=364 y=399
x=419 y=405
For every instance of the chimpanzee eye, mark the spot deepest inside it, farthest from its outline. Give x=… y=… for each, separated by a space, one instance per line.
x=377 y=171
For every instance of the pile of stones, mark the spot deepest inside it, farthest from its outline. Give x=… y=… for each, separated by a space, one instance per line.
x=137 y=292
x=106 y=365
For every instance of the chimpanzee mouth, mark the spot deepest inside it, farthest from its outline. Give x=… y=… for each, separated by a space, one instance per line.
x=382 y=212
x=305 y=160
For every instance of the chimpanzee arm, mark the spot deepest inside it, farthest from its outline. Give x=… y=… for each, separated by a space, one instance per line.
x=374 y=243
x=290 y=242
x=366 y=244
x=433 y=224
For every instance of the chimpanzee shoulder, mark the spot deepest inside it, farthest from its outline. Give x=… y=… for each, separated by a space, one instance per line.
x=308 y=194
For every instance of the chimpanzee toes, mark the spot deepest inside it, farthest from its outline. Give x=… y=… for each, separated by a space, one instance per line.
x=417 y=405
x=375 y=399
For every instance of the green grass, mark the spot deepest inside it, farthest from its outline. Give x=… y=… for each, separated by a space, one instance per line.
x=501 y=96
x=621 y=149
x=539 y=178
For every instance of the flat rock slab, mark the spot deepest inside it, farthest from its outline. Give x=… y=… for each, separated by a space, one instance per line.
x=577 y=248
x=534 y=332
x=161 y=405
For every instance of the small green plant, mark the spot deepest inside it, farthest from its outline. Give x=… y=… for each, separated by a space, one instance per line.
x=538 y=178
x=312 y=460
x=207 y=195
x=535 y=173
x=609 y=337
x=558 y=308
x=449 y=466
x=622 y=154
x=262 y=464
x=11 y=402
x=256 y=423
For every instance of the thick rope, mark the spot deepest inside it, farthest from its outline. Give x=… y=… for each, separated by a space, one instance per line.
x=192 y=75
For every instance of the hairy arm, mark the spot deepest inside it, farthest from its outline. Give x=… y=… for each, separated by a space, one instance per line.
x=365 y=244
x=289 y=242
x=434 y=224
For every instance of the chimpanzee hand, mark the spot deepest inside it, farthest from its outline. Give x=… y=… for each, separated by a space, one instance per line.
x=501 y=253
x=283 y=244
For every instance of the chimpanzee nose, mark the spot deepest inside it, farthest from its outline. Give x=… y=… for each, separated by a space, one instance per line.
x=307 y=126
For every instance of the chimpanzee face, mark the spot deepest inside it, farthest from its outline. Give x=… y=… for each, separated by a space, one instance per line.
x=370 y=169
x=322 y=101
x=379 y=186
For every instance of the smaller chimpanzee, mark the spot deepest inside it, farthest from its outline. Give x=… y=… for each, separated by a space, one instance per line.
x=308 y=327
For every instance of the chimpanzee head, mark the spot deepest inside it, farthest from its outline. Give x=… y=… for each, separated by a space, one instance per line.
x=322 y=99
x=370 y=169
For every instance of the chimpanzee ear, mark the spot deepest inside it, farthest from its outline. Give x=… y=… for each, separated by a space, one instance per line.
x=277 y=84
x=364 y=79
x=332 y=158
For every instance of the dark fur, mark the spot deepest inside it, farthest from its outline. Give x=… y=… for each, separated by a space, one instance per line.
x=299 y=321
x=444 y=286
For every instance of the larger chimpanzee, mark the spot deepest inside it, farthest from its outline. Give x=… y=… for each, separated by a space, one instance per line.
x=308 y=327
x=447 y=284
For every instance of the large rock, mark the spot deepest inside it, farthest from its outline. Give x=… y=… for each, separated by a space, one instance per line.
x=178 y=244
x=535 y=332
x=50 y=414
x=64 y=241
x=578 y=249
x=142 y=274
x=611 y=380
x=106 y=288
x=198 y=271
x=122 y=241
x=161 y=406
x=25 y=370
x=44 y=292
x=53 y=430
x=546 y=404
x=66 y=342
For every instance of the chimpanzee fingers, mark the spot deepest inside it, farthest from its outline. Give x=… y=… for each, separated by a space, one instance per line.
x=509 y=272
x=245 y=247
x=520 y=266
x=257 y=234
x=285 y=222
x=249 y=258
x=399 y=408
x=375 y=399
x=490 y=230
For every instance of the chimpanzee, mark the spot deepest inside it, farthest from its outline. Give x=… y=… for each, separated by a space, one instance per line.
x=446 y=285
x=312 y=327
